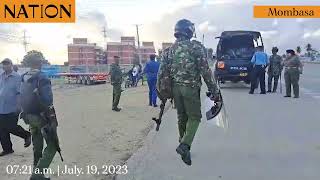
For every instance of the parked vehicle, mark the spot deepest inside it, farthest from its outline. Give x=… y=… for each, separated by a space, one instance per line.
x=234 y=53
x=79 y=75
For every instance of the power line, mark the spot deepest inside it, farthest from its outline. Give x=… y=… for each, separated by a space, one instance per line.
x=25 y=42
x=104 y=31
x=15 y=38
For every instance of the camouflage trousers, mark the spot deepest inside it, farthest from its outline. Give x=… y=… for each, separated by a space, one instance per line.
x=292 y=77
x=42 y=158
x=116 y=95
x=188 y=105
x=275 y=79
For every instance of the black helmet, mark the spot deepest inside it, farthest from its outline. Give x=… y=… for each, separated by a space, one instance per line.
x=275 y=49
x=184 y=28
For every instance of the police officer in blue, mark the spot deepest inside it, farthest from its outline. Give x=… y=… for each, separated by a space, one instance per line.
x=151 y=70
x=260 y=62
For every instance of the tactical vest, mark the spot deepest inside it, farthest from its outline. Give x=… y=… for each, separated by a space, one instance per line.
x=30 y=100
x=185 y=68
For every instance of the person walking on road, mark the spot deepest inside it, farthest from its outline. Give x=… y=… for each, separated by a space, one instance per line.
x=186 y=61
x=38 y=111
x=139 y=75
x=151 y=70
x=10 y=83
x=116 y=81
x=135 y=72
x=274 y=70
x=260 y=62
x=293 y=69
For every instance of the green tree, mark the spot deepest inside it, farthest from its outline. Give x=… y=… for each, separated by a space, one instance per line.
x=33 y=54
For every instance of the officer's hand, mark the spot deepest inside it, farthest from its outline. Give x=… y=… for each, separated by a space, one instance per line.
x=214 y=97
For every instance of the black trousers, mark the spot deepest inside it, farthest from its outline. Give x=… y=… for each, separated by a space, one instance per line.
x=275 y=78
x=258 y=75
x=9 y=125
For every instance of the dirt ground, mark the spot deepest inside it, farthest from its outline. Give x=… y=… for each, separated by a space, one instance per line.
x=90 y=133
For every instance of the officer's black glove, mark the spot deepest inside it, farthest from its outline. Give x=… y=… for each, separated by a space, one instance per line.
x=216 y=97
x=23 y=116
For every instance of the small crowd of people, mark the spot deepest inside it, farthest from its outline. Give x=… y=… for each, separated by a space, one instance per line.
x=28 y=96
x=275 y=64
x=134 y=75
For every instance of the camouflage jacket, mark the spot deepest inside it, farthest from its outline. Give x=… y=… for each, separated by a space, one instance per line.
x=275 y=66
x=292 y=61
x=116 y=74
x=187 y=63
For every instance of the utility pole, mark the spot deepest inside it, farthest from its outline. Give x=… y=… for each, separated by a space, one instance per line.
x=18 y=39
x=203 y=39
x=25 y=42
x=138 y=39
x=104 y=31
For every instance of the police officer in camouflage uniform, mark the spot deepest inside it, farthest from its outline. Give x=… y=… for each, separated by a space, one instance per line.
x=116 y=81
x=292 y=66
x=187 y=62
x=274 y=70
x=35 y=111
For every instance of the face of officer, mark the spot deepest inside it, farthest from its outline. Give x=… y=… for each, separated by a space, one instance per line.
x=116 y=60
x=259 y=49
x=210 y=52
x=7 y=67
x=36 y=65
x=152 y=57
x=274 y=52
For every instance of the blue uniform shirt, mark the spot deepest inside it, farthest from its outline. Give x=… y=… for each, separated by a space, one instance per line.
x=260 y=58
x=151 y=69
x=9 y=92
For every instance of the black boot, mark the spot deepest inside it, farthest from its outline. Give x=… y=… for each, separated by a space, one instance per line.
x=184 y=151
x=38 y=177
x=27 y=141
x=4 y=153
x=116 y=109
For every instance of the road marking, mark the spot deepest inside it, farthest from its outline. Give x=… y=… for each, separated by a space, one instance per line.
x=311 y=93
x=317 y=97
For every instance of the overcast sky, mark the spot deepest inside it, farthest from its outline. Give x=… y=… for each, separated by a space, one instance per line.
x=157 y=19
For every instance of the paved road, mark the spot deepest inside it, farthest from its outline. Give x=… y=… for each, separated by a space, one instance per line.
x=270 y=137
x=310 y=80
